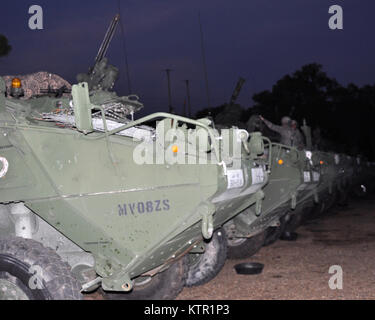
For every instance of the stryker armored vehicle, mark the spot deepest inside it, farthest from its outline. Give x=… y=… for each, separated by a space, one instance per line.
x=247 y=233
x=290 y=193
x=92 y=198
x=306 y=195
x=359 y=186
x=328 y=189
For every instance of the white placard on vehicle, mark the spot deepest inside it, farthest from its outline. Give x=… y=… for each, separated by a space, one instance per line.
x=257 y=175
x=316 y=176
x=235 y=179
x=306 y=176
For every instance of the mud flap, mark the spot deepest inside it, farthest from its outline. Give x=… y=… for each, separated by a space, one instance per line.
x=207 y=212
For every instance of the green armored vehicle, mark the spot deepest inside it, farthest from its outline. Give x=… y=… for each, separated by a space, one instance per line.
x=307 y=193
x=248 y=231
x=92 y=198
x=328 y=188
x=80 y=191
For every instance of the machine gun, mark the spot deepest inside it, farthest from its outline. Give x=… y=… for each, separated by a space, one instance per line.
x=102 y=75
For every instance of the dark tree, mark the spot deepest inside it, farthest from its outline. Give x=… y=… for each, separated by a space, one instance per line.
x=345 y=115
x=342 y=117
x=5 y=48
x=302 y=94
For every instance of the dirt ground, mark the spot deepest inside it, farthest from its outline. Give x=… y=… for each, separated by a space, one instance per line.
x=299 y=270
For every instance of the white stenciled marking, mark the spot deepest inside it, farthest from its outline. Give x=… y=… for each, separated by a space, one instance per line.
x=5 y=167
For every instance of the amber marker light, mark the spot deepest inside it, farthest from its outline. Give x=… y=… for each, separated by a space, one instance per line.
x=174 y=149
x=280 y=162
x=321 y=162
x=16 y=83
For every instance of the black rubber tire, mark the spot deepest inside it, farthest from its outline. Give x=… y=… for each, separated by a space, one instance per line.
x=273 y=233
x=28 y=264
x=211 y=261
x=247 y=248
x=289 y=236
x=293 y=223
x=163 y=286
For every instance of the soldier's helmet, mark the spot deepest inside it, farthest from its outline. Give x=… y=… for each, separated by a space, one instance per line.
x=285 y=121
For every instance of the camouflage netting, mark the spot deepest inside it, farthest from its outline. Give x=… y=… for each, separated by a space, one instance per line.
x=33 y=83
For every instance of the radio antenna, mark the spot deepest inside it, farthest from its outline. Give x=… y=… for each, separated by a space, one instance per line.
x=122 y=28
x=204 y=61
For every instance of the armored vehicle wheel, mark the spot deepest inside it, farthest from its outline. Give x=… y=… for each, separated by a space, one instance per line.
x=240 y=248
x=289 y=236
x=163 y=286
x=204 y=267
x=294 y=222
x=29 y=271
x=273 y=233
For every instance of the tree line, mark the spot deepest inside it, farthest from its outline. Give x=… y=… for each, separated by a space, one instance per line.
x=343 y=116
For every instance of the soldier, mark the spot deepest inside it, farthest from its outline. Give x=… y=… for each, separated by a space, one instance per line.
x=297 y=138
x=33 y=83
x=284 y=130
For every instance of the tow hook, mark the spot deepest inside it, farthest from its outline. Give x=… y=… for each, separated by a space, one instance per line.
x=91 y=284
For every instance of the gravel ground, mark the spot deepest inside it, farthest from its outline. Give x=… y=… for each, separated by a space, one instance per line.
x=299 y=270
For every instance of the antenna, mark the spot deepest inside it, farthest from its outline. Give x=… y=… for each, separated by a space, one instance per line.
x=171 y=109
x=107 y=39
x=188 y=98
x=204 y=61
x=122 y=28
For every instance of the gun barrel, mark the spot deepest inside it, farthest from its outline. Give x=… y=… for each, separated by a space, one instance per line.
x=107 y=39
x=237 y=90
